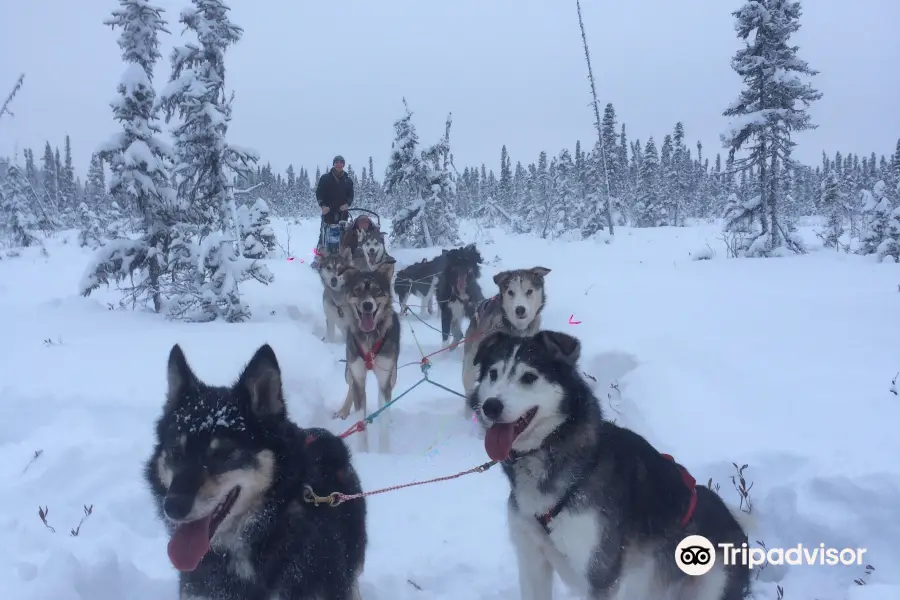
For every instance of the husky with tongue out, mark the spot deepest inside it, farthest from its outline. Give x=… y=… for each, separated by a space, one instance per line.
x=373 y=344
x=589 y=500
x=228 y=476
x=458 y=291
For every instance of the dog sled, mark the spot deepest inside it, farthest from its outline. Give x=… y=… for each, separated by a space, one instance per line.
x=335 y=238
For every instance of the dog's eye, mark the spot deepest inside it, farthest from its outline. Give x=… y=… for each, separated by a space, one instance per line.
x=510 y=293
x=528 y=378
x=493 y=374
x=529 y=292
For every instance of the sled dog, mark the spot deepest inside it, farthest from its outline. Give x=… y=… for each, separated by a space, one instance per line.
x=420 y=279
x=458 y=291
x=372 y=251
x=589 y=500
x=515 y=310
x=373 y=343
x=334 y=297
x=228 y=475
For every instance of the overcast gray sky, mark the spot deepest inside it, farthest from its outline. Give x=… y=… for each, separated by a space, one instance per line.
x=313 y=79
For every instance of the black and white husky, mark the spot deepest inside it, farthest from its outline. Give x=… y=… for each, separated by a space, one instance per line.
x=229 y=476
x=589 y=500
x=372 y=252
x=420 y=279
x=515 y=310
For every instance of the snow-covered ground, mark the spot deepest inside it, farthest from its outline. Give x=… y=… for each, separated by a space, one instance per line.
x=781 y=364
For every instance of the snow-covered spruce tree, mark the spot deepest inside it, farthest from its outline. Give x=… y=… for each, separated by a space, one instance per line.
x=17 y=209
x=650 y=209
x=426 y=180
x=257 y=236
x=876 y=218
x=138 y=161
x=95 y=193
x=207 y=250
x=890 y=246
x=834 y=207
x=772 y=106
x=90 y=232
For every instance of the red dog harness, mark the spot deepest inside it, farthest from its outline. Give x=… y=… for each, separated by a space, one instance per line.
x=691 y=484
x=689 y=481
x=369 y=356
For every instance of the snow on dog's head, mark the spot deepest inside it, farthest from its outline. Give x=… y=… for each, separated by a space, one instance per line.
x=521 y=394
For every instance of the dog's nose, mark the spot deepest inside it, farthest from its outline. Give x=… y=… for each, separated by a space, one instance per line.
x=178 y=506
x=492 y=408
x=520 y=311
x=368 y=306
x=333 y=281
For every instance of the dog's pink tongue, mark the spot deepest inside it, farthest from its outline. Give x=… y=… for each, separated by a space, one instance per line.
x=498 y=440
x=189 y=544
x=367 y=322
x=461 y=284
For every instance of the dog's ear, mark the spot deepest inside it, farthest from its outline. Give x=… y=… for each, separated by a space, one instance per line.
x=180 y=377
x=347 y=270
x=489 y=346
x=502 y=278
x=261 y=381
x=540 y=272
x=386 y=268
x=560 y=345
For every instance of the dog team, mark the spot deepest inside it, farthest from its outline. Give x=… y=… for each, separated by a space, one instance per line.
x=593 y=502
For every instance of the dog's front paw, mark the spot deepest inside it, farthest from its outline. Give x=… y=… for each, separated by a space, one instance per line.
x=341 y=414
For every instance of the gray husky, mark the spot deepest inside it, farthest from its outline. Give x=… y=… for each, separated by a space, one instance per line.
x=373 y=343
x=515 y=310
x=229 y=476
x=334 y=297
x=589 y=500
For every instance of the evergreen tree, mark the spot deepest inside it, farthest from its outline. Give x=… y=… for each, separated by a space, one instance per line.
x=50 y=194
x=204 y=161
x=650 y=210
x=256 y=230
x=95 y=195
x=505 y=196
x=877 y=219
x=834 y=205
x=68 y=177
x=425 y=182
x=138 y=161
x=17 y=204
x=772 y=105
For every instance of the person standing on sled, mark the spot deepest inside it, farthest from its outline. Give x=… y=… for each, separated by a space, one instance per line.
x=334 y=192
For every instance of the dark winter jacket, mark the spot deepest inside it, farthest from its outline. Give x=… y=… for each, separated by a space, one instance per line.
x=334 y=193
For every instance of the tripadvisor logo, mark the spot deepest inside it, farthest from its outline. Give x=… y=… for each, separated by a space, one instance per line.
x=695 y=555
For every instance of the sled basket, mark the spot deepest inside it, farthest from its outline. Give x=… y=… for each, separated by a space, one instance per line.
x=332 y=238
x=370 y=213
